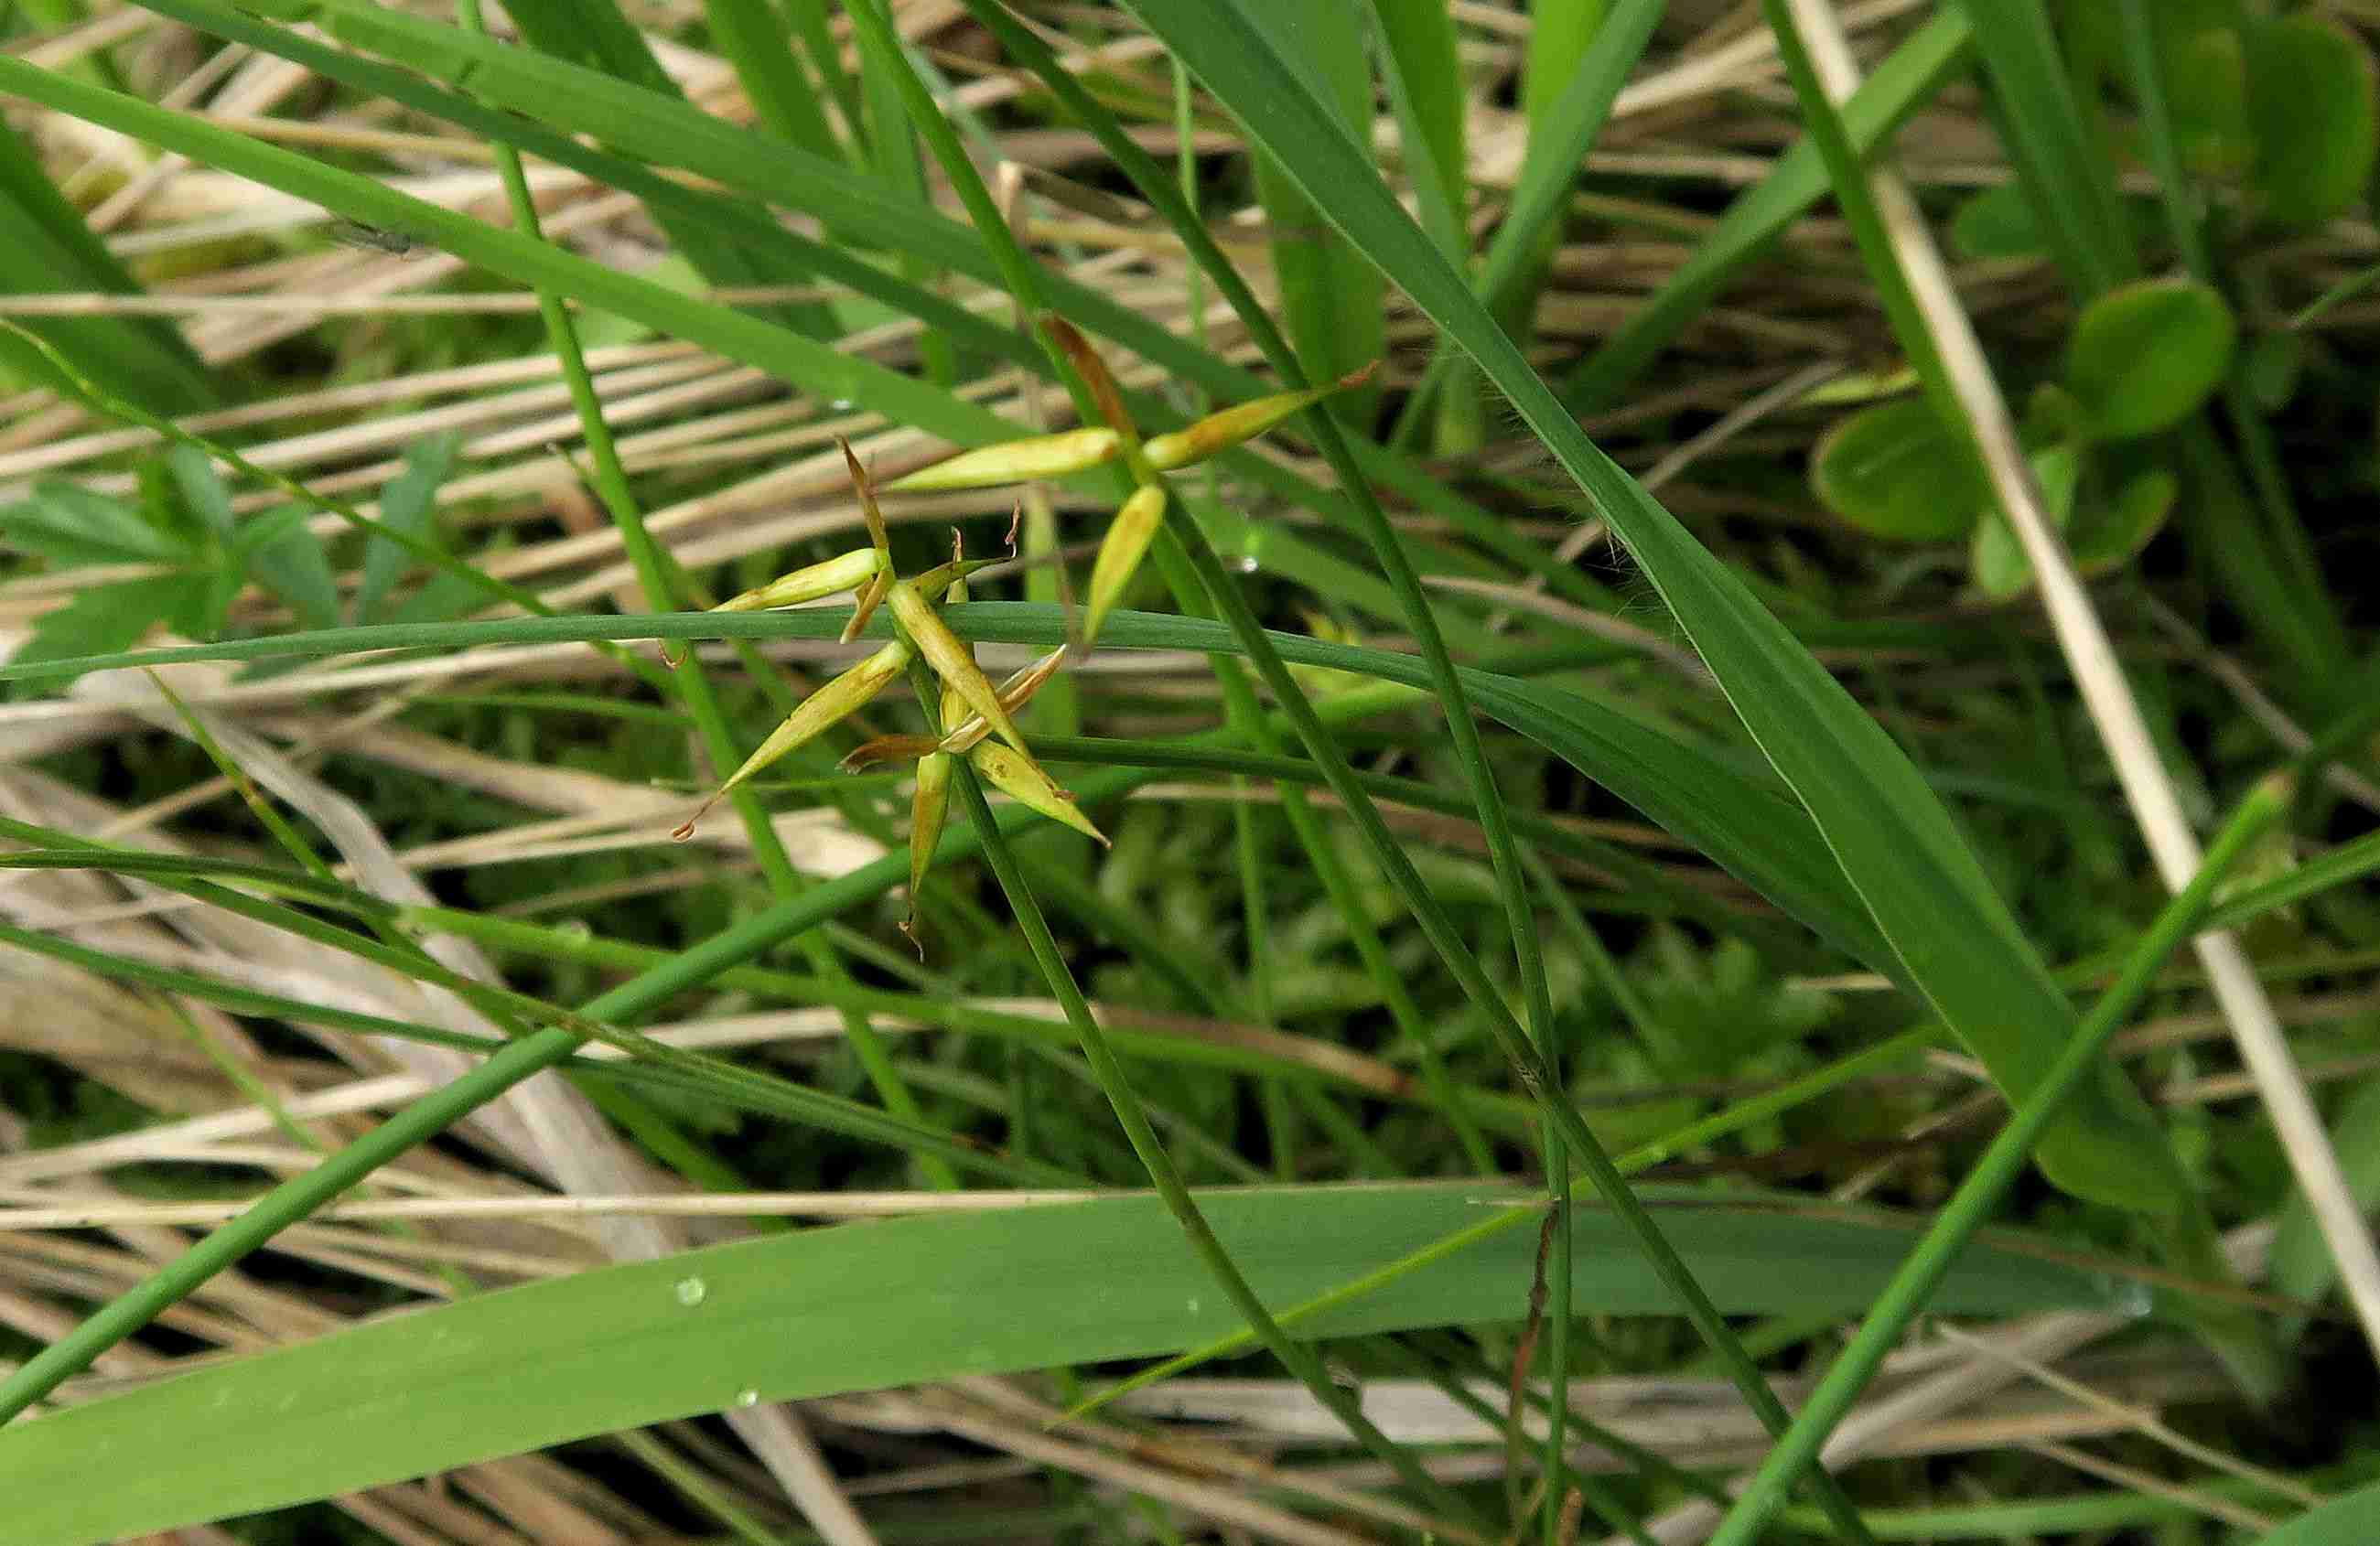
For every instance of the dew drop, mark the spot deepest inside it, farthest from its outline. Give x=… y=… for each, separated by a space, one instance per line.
x=748 y=1398
x=1248 y=564
x=1194 y=1307
x=841 y=404
x=691 y=1290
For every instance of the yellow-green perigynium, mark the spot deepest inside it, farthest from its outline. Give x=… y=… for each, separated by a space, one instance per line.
x=972 y=711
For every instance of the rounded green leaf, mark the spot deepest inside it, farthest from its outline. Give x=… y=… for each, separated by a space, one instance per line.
x=2146 y=354
x=1998 y=223
x=2272 y=368
x=1997 y=561
x=2311 y=112
x=1893 y=471
x=2106 y=534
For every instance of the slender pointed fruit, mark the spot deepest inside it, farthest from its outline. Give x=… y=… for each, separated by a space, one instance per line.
x=857 y=568
x=813 y=714
x=929 y=806
x=1119 y=553
x=1016 y=462
x=1221 y=431
x=952 y=661
x=1021 y=778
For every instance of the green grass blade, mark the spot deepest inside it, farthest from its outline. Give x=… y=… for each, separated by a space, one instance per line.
x=1562 y=129
x=1425 y=90
x=759 y=44
x=867 y=1307
x=2062 y=170
x=1954 y=936
x=1902 y=82
x=46 y=246
x=1742 y=819
x=1330 y=298
x=1913 y=1284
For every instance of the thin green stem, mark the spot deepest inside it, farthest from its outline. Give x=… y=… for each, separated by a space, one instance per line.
x=1300 y=1359
x=1906 y=1295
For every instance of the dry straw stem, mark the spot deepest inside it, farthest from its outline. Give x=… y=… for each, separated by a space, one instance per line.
x=2083 y=638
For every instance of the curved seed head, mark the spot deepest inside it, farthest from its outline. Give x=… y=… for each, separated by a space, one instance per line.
x=1015 y=461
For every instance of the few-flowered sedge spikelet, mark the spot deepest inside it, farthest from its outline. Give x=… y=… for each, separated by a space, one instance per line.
x=1022 y=779
x=849 y=570
x=1119 y=553
x=951 y=660
x=967 y=730
x=1024 y=461
x=1073 y=450
x=839 y=697
x=929 y=807
x=1244 y=421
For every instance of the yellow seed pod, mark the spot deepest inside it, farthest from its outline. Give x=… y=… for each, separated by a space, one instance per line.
x=928 y=807
x=964 y=730
x=837 y=698
x=1119 y=553
x=1222 y=431
x=952 y=661
x=845 y=572
x=1015 y=461
x=1022 y=779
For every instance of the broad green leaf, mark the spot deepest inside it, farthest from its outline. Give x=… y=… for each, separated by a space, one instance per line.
x=101 y=620
x=1997 y=561
x=1998 y=223
x=2353 y=1520
x=293 y=566
x=69 y=525
x=2302 y=1266
x=46 y=246
x=2143 y=357
x=1955 y=936
x=203 y=489
x=409 y=503
x=1893 y=472
x=2108 y=534
x=2312 y=113
x=868 y=1306
x=2272 y=368
x=2205 y=80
